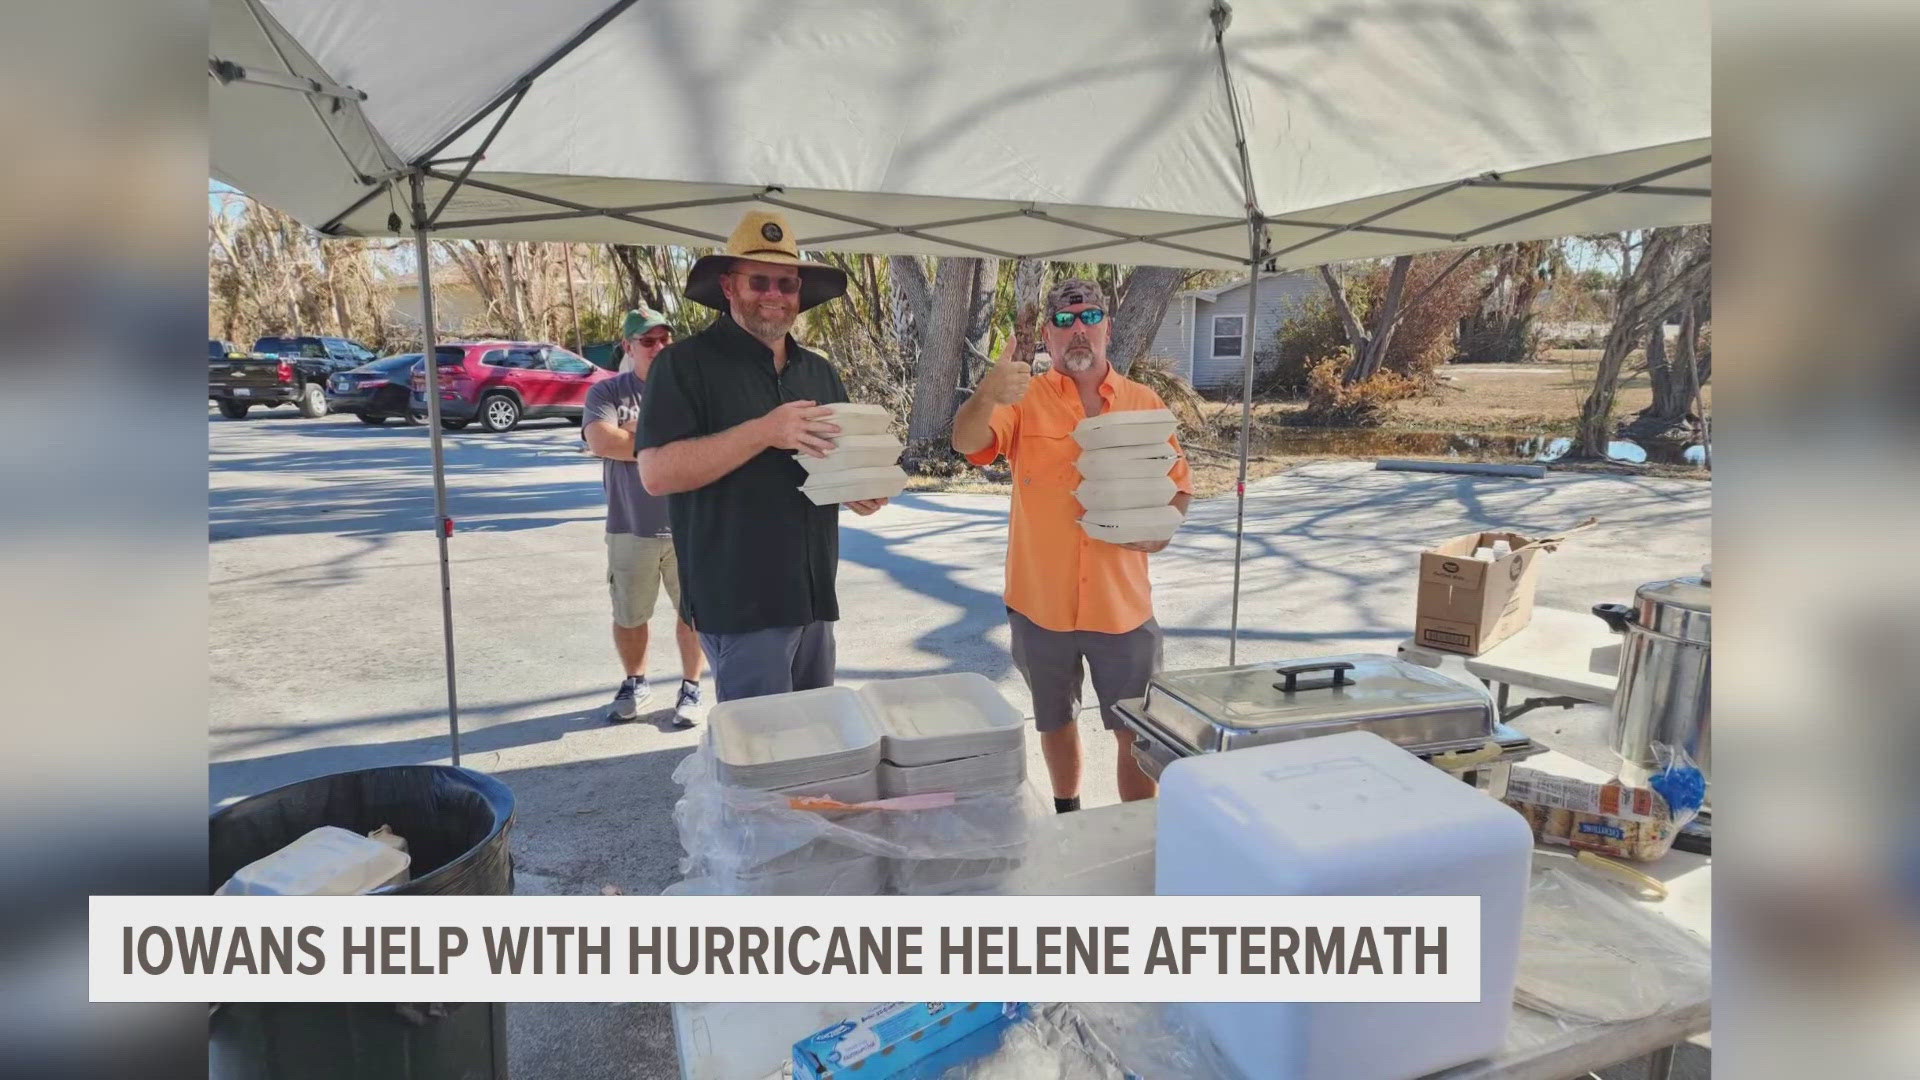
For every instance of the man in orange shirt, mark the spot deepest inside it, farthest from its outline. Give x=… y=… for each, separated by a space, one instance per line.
x=1070 y=599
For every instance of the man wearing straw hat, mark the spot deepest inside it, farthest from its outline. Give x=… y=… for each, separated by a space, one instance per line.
x=1071 y=600
x=725 y=412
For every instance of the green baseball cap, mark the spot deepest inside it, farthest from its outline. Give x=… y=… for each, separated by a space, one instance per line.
x=640 y=320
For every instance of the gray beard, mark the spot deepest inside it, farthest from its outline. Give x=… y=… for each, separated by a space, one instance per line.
x=1079 y=360
x=766 y=330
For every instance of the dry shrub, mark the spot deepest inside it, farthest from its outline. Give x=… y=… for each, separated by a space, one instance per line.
x=1424 y=339
x=1307 y=338
x=1332 y=403
x=1156 y=374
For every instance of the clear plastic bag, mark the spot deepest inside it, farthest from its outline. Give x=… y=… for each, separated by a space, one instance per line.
x=1110 y=1041
x=1592 y=953
x=738 y=840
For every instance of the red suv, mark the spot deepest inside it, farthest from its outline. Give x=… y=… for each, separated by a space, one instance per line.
x=501 y=383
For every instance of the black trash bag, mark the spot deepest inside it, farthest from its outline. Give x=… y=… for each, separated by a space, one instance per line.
x=455 y=822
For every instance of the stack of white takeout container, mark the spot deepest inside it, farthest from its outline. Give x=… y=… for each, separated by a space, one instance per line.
x=919 y=736
x=1124 y=461
x=864 y=461
x=815 y=743
x=954 y=733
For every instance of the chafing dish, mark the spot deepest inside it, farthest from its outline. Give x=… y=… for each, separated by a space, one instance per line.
x=1451 y=724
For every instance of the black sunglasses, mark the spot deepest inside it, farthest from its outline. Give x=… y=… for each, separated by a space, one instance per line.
x=1092 y=316
x=768 y=283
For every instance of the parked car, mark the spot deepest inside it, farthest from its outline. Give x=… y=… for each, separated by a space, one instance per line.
x=501 y=383
x=281 y=371
x=376 y=392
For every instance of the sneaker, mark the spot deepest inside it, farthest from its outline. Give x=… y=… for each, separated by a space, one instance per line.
x=633 y=693
x=683 y=709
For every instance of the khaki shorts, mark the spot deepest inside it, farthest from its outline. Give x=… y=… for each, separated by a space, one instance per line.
x=636 y=565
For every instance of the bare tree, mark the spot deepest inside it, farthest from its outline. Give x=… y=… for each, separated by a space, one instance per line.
x=1028 y=277
x=1674 y=264
x=986 y=279
x=936 y=387
x=912 y=302
x=1141 y=306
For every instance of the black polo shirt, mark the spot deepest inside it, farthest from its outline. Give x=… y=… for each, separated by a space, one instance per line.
x=754 y=553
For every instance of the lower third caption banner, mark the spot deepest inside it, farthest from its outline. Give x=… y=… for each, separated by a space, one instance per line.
x=785 y=948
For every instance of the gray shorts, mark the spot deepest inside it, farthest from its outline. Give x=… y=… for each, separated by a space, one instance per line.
x=1050 y=661
x=771 y=661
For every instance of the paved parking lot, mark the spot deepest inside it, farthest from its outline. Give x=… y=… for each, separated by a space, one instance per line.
x=325 y=638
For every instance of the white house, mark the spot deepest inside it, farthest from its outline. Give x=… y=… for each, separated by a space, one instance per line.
x=1204 y=332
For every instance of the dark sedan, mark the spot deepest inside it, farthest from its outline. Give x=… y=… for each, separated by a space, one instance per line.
x=375 y=391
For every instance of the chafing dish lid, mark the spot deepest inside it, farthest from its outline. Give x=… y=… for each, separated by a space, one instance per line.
x=1356 y=686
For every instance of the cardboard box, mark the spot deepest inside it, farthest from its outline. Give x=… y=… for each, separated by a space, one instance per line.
x=1468 y=605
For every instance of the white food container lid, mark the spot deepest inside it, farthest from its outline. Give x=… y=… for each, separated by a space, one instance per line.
x=1126 y=493
x=1136 y=427
x=853 y=418
x=933 y=718
x=785 y=739
x=1148 y=523
x=853 y=452
x=1125 y=462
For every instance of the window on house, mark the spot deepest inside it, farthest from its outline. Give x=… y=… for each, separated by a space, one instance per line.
x=1228 y=335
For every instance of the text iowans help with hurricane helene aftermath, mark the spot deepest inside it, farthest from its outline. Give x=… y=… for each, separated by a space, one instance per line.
x=803 y=950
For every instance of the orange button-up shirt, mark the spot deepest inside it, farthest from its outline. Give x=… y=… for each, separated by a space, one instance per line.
x=1057 y=575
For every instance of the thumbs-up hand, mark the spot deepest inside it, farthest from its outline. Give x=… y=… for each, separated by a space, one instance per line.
x=1007 y=382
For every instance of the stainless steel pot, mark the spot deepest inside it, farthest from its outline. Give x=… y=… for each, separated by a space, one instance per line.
x=1666 y=672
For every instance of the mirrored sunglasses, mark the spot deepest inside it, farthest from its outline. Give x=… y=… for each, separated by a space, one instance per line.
x=768 y=283
x=1092 y=316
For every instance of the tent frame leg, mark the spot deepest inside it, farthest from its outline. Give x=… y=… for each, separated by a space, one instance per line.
x=442 y=523
x=1222 y=16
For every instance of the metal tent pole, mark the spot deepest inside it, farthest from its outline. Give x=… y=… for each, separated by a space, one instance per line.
x=1222 y=15
x=442 y=524
x=1246 y=424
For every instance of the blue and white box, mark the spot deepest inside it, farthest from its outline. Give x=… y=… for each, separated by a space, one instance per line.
x=908 y=1040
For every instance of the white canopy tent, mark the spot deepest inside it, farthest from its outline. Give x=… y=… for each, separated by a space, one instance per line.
x=1267 y=137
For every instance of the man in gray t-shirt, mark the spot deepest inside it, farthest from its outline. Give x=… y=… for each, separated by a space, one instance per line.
x=639 y=542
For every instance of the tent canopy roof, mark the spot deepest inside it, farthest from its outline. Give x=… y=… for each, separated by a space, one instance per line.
x=992 y=127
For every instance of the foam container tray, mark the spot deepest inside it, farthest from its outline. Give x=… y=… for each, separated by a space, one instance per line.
x=935 y=718
x=785 y=740
x=859 y=788
x=1131 y=526
x=855 y=485
x=853 y=452
x=942 y=877
x=862 y=875
x=985 y=772
x=857 y=419
x=1137 y=427
x=1127 y=462
x=1126 y=494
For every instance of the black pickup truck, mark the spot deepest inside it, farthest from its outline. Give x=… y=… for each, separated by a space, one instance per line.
x=278 y=371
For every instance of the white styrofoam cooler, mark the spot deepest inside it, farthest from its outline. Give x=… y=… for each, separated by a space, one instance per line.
x=1347 y=815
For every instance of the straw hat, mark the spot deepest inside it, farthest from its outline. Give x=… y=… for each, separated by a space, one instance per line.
x=764 y=236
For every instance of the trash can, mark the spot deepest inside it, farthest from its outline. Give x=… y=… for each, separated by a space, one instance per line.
x=455 y=822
